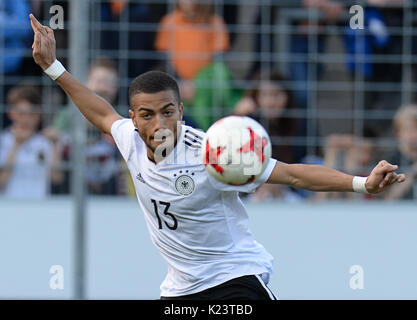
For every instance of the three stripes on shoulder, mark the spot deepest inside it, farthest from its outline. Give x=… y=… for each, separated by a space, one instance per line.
x=193 y=138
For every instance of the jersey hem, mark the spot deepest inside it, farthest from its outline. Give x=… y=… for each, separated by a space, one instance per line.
x=214 y=284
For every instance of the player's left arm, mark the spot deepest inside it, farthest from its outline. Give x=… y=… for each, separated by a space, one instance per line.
x=320 y=178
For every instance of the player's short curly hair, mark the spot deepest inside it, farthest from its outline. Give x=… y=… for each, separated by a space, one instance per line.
x=154 y=82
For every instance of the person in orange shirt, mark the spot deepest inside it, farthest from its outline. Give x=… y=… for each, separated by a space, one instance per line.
x=191 y=35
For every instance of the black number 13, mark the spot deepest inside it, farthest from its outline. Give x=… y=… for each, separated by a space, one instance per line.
x=166 y=204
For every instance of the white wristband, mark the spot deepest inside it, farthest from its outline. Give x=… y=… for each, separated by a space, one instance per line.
x=358 y=184
x=55 y=70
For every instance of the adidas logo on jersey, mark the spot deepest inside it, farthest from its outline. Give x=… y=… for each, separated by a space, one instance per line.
x=140 y=178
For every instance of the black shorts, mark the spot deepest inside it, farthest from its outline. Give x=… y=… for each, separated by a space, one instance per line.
x=243 y=288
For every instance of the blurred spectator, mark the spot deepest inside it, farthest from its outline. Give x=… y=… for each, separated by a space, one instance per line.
x=210 y=95
x=15 y=30
x=113 y=38
x=378 y=39
x=269 y=102
x=350 y=154
x=405 y=156
x=28 y=160
x=302 y=44
x=102 y=78
x=242 y=17
x=103 y=160
x=193 y=36
x=268 y=192
x=306 y=39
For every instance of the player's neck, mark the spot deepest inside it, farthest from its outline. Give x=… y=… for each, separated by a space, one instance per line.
x=151 y=153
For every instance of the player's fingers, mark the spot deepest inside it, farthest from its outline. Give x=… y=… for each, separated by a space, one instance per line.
x=49 y=31
x=385 y=164
x=33 y=26
x=382 y=163
x=392 y=179
x=401 y=177
x=35 y=21
x=385 y=167
x=38 y=40
x=386 y=180
x=36 y=44
x=397 y=178
x=38 y=26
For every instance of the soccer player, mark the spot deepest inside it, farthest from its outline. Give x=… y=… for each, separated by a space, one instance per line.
x=198 y=224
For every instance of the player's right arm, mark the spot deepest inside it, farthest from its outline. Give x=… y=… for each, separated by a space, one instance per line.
x=97 y=110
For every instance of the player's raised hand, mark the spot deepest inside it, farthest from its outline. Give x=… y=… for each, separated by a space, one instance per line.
x=43 y=44
x=382 y=177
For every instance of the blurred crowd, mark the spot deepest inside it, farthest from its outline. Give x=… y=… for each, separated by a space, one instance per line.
x=197 y=42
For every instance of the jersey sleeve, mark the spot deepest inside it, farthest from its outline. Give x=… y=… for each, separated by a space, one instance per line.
x=247 y=188
x=123 y=133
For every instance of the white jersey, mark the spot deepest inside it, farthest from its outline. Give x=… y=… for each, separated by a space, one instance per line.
x=198 y=224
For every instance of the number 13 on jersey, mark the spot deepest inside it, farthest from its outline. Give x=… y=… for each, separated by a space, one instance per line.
x=165 y=212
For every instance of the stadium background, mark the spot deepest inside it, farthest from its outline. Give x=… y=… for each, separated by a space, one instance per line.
x=343 y=89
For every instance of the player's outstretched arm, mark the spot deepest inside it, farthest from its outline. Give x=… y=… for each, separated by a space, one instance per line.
x=320 y=178
x=97 y=110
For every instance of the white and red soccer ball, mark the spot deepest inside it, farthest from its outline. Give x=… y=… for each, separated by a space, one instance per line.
x=236 y=150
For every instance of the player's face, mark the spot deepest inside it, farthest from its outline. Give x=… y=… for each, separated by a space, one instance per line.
x=156 y=116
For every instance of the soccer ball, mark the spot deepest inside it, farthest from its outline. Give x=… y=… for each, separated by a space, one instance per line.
x=236 y=150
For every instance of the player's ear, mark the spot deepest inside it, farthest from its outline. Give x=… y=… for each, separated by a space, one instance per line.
x=132 y=116
x=181 y=110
